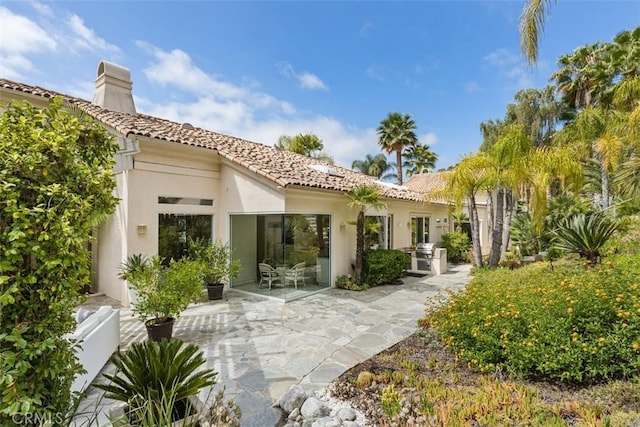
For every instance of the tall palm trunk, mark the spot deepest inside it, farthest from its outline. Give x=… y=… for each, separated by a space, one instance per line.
x=490 y=216
x=605 y=183
x=508 y=214
x=475 y=230
x=359 y=248
x=399 y=164
x=496 y=240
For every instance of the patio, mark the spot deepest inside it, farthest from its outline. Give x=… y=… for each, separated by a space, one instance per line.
x=260 y=347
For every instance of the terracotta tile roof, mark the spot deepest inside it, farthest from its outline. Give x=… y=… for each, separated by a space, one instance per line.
x=428 y=184
x=281 y=167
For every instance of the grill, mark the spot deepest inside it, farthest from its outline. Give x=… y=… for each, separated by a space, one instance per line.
x=425 y=250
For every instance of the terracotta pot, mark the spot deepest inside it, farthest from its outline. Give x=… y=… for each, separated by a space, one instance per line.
x=214 y=291
x=158 y=331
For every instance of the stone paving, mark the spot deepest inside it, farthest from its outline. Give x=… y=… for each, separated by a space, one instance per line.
x=261 y=347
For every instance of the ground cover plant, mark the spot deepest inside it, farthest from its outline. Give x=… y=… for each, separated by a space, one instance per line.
x=418 y=382
x=575 y=323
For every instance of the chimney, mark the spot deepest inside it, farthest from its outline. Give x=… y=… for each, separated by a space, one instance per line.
x=113 y=88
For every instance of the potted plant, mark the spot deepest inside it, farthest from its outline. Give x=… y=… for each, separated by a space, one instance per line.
x=162 y=292
x=218 y=268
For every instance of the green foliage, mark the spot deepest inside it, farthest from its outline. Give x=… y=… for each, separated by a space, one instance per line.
x=383 y=266
x=162 y=292
x=570 y=323
x=457 y=245
x=150 y=371
x=626 y=240
x=345 y=282
x=55 y=188
x=215 y=259
x=585 y=234
x=523 y=236
x=362 y=197
x=390 y=401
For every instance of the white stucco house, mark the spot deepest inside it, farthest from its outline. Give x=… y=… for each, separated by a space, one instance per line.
x=176 y=181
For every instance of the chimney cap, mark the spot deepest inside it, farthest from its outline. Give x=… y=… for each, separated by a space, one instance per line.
x=113 y=70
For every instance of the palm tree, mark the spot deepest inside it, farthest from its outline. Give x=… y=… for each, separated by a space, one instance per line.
x=419 y=159
x=531 y=26
x=395 y=133
x=580 y=77
x=463 y=183
x=362 y=197
x=306 y=144
x=374 y=165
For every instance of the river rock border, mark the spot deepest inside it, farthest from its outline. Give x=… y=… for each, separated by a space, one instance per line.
x=317 y=409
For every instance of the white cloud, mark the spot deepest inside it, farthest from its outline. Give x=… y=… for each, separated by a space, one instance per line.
x=428 y=138
x=512 y=67
x=214 y=103
x=13 y=66
x=306 y=80
x=375 y=73
x=501 y=57
x=84 y=38
x=20 y=35
x=42 y=9
x=366 y=29
x=472 y=87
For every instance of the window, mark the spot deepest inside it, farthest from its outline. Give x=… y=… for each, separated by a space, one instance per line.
x=376 y=232
x=184 y=201
x=175 y=230
x=419 y=230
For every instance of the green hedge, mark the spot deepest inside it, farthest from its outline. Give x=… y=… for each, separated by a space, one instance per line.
x=383 y=266
x=575 y=324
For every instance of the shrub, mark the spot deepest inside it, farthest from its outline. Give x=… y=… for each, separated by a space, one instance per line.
x=346 y=282
x=571 y=324
x=383 y=266
x=585 y=234
x=457 y=245
x=151 y=371
x=55 y=188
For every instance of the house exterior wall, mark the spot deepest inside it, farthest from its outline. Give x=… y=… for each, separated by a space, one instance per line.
x=242 y=192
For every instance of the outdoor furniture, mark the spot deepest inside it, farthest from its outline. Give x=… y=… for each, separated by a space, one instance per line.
x=98 y=336
x=268 y=274
x=295 y=274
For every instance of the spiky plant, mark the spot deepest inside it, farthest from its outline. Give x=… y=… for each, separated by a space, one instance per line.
x=585 y=234
x=148 y=369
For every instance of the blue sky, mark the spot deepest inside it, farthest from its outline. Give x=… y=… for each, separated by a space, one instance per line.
x=259 y=70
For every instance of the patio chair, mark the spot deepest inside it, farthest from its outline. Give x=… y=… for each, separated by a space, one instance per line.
x=268 y=275
x=295 y=274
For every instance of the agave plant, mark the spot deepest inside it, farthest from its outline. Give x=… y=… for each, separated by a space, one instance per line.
x=150 y=370
x=585 y=234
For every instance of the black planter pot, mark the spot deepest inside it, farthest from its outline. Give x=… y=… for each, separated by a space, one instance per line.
x=158 y=331
x=214 y=291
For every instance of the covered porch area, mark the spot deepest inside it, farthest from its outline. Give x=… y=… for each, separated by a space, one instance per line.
x=283 y=256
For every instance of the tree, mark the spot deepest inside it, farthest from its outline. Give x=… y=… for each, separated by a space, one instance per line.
x=463 y=183
x=306 y=144
x=419 y=159
x=395 y=133
x=374 y=165
x=531 y=26
x=55 y=188
x=580 y=78
x=503 y=175
x=362 y=197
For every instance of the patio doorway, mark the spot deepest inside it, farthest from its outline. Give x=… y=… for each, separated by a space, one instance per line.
x=282 y=241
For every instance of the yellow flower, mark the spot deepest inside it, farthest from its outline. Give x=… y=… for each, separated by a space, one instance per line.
x=636 y=346
x=570 y=310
